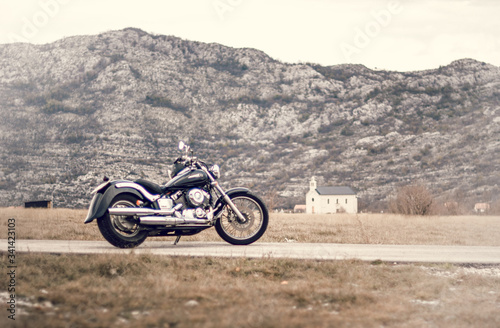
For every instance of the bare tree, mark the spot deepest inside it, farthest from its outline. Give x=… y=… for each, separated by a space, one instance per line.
x=495 y=207
x=412 y=200
x=272 y=200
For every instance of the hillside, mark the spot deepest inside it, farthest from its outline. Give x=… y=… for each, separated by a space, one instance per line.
x=117 y=104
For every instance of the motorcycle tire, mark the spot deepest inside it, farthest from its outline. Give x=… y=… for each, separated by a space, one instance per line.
x=122 y=231
x=237 y=232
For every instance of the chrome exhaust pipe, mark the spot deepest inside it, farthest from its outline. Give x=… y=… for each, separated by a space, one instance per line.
x=140 y=211
x=149 y=216
x=170 y=220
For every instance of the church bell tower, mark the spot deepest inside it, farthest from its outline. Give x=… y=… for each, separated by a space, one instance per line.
x=313 y=185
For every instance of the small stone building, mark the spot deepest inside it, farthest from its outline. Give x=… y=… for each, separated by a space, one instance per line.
x=300 y=208
x=38 y=204
x=481 y=207
x=323 y=200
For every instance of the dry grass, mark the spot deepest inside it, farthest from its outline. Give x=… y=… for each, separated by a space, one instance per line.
x=57 y=223
x=158 y=291
x=155 y=291
x=387 y=229
x=333 y=228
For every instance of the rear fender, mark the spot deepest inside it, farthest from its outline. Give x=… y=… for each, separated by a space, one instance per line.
x=102 y=199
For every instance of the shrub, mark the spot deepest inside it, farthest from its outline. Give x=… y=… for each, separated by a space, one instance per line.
x=303 y=117
x=159 y=101
x=347 y=131
x=54 y=106
x=230 y=65
x=412 y=200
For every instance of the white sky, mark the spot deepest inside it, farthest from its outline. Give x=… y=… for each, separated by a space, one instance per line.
x=400 y=35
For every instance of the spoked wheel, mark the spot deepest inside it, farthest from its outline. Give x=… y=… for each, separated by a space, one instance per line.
x=243 y=232
x=121 y=230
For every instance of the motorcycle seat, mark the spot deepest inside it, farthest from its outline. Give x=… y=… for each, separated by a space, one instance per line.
x=151 y=187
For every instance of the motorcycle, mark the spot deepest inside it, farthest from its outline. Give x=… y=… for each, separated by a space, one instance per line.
x=127 y=212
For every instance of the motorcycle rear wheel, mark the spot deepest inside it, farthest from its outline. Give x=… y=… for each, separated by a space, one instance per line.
x=237 y=232
x=119 y=230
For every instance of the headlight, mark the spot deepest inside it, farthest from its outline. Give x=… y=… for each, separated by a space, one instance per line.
x=215 y=170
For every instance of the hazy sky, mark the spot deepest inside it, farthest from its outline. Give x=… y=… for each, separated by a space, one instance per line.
x=398 y=35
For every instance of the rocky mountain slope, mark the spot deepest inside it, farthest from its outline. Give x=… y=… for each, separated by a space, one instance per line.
x=117 y=104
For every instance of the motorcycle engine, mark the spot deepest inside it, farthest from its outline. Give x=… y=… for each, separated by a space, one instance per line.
x=197 y=197
x=197 y=202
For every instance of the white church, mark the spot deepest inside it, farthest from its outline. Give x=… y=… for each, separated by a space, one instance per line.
x=323 y=200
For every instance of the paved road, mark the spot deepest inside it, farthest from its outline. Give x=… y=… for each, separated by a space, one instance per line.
x=388 y=253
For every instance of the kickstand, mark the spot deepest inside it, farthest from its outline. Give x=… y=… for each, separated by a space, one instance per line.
x=177 y=240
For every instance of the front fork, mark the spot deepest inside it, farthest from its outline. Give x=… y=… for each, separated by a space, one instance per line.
x=229 y=202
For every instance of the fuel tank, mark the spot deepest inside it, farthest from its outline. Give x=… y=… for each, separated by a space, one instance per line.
x=194 y=178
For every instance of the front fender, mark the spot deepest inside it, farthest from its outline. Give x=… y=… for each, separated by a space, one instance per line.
x=230 y=192
x=101 y=200
x=237 y=190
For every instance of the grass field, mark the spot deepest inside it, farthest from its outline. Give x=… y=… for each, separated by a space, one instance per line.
x=332 y=228
x=156 y=291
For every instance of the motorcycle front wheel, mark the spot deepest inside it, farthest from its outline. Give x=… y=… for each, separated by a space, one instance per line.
x=119 y=230
x=243 y=232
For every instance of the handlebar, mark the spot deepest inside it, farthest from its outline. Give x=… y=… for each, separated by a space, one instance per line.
x=190 y=160
x=187 y=160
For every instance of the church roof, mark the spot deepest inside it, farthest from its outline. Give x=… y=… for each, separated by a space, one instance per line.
x=335 y=191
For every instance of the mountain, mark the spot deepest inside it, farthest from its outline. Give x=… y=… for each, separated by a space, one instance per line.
x=117 y=104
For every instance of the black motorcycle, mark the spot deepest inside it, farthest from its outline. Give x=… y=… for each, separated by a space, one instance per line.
x=127 y=212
